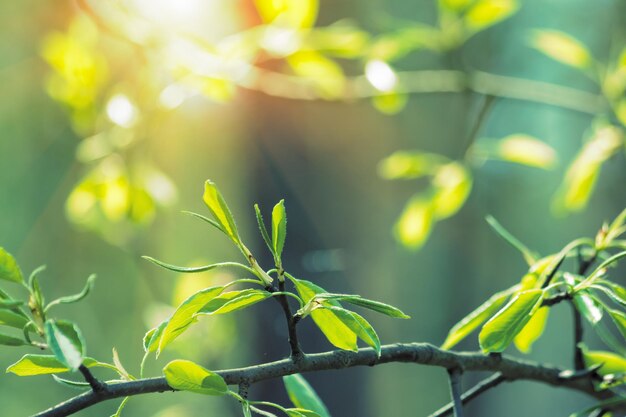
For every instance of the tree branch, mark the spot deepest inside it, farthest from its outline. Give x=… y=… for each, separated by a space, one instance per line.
x=419 y=353
x=483 y=386
x=454 y=375
x=296 y=352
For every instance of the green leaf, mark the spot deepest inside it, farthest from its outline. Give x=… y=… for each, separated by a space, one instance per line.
x=153 y=337
x=561 y=47
x=501 y=329
x=476 y=318
x=377 y=306
x=529 y=256
x=9 y=269
x=196 y=269
x=526 y=150
x=187 y=376
x=76 y=297
x=43 y=364
x=612 y=363
x=81 y=385
x=588 y=306
x=301 y=412
x=279 y=228
x=358 y=325
x=335 y=330
x=220 y=211
x=485 y=13
x=233 y=301
x=183 y=317
x=7 y=340
x=532 y=331
x=409 y=165
x=12 y=319
x=66 y=342
x=263 y=229
x=302 y=395
x=619 y=318
x=415 y=223
x=451 y=185
x=205 y=219
x=10 y=303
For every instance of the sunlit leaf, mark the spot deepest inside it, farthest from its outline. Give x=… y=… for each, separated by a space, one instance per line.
x=296 y=14
x=409 y=164
x=220 y=211
x=612 y=363
x=619 y=318
x=339 y=39
x=414 y=225
x=455 y=5
x=264 y=234
x=279 y=227
x=532 y=331
x=42 y=364
x=233 y=300
x=66 y=342
x=153 y=336
x=582 y=174
x=187 y=376
x=335 y=330
x=377 y=306
x=485 y=13
x=561 y=47
x=476 y=318
x=358 y=325
x=527 y=150
x=9 y=269
x=396 y=44
x=302 y=395
x=183 y=317
x=498 y=333
x=390 y=103
x=452 y=184
x=321 y=72
x=620 y=111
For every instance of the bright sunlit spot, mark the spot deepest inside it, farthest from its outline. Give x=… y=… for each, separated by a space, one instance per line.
x=381 y=75
x=121 y=111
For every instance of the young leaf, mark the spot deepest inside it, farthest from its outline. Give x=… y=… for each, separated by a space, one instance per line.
x=335 y=330
x=619 y=318
x=377 y=306
x=301 y=412
x=476 y=318
x=358 y=325
x=487 y=13
x=9 y=269
x=612 y=363
x=233 y=301
x=183 y=317
x=561 y=47
x=302 y=395
x=188 y=376
x=206 y=219
x=415 y=223
x=532 y=331
x=263 y=229
x=7 y=340
x=527 y=150
x=153 y=337
x=529 y=256
x=502 y=328
x=66 y=342
x=76 y=297
x=43 y=364
x=588 y=306
x=12 y=319
x=279 y=228
x=81 y=385
x=220 y=211
x=195 y=269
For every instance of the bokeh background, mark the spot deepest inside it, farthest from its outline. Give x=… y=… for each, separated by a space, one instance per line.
x=113 y=115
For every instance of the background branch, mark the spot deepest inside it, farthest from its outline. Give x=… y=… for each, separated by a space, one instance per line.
x=483 y=386
x=419 y=353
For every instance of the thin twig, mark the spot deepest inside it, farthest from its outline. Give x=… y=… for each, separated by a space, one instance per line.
x=483 y=386
x=296 y=352
x=454 y=375
x=418 y=353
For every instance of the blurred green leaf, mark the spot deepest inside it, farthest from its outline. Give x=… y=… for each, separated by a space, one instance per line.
x=409 y=165
x=12 y=319
x=9 y=269
x=220 y=211
x=498 y=333
x=302 y=395
x=485 y=13
x=341 y=39
x=612 y=363
x=324 y=74
x=476 y=318
x=287 y=13
x=279 y=228
x=415 y=223
x=187 y=376
x=452 y=184
x=561 y=47
x=532 y=330
x=390 y=103
x=7 y=340
x=396 y=44
x=76 y=297
x=527 y=150
x=66 y=342
x=183 y=317
x=233 y=300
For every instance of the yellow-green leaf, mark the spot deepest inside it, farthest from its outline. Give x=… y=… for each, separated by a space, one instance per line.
x=296 y=14
x=233 y=301
x=9 y=269
x=358 y=325
x=409 y=164
x=279 y=228
x=220 y=211
x=302 y=395
x=184 y=315
x=612 y=363
x=532 y=331
x=188 y=376
x=43 y=364
x=415 y=223
x=452 y=184
x=485 y=13
x=498 y=333
x=561 y=47
x=476 y=318
x=526 y=150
